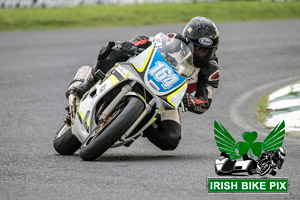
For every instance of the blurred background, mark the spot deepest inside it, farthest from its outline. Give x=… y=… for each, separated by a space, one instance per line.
x=62 y=14
x=59 y=3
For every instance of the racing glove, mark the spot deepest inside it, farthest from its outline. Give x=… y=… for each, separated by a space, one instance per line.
x=142 y=42
x=196 y=105
x=130 y=47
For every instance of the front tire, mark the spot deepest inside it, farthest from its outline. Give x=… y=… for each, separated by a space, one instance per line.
x=94 y=147
x=66 y=143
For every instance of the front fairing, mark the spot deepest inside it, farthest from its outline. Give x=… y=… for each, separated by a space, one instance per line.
x=161 y=76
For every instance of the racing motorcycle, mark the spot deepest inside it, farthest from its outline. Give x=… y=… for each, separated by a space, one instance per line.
x=128 y=99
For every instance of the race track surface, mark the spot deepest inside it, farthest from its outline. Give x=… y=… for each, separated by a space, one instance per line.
x=37 y=67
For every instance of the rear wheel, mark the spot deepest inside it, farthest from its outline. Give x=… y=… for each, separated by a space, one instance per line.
x=65 y=142
x=108 y=132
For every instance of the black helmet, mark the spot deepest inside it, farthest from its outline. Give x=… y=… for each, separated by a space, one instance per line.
x=201 y=33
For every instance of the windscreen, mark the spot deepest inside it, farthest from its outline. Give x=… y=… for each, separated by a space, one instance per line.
x=176 y=53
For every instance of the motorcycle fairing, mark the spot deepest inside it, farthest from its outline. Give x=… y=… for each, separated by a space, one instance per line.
x=141 y=62
x=84 y=120
x=161 y=77
x=174 y=99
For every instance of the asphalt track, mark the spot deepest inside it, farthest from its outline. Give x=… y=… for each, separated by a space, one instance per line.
x=36 y=68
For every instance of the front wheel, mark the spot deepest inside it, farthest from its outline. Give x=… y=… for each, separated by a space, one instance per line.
x=121 y=120
x=65 y=142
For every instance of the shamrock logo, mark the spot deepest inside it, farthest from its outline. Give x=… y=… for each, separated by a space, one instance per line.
x=227 y=144
x=250 y=145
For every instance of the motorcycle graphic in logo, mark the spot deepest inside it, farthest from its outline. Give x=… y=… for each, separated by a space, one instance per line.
x=270 y=153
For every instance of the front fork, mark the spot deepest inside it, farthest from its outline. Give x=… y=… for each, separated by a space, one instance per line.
x=110 y=108
x=148 y=109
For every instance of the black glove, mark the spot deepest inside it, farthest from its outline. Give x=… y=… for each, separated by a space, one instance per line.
x=129 y=48
x=142 y=42
x=196 y=105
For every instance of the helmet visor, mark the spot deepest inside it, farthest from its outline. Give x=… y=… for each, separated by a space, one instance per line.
x=200 y=51
x=201 y=54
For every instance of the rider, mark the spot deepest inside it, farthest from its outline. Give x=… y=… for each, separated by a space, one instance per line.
x=202 y=37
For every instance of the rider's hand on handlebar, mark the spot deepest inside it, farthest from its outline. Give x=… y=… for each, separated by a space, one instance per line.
x=128 y=48
x=135 y=46
x=194 y=104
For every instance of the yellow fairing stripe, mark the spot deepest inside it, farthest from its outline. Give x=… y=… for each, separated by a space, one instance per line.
x=113 y=79
x=146 y=62
x=127 y=75
x=169 y=97
x=82 y=116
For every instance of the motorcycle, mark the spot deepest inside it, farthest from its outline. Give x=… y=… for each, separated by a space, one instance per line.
x=268 y=163
x=128 y=99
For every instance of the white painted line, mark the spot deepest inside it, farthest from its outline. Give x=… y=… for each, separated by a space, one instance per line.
x=237 y=113
x=291 y=119
x=287 y=103
x=284 y=91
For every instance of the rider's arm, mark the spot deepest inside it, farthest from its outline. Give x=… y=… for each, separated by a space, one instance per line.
x=116 y=51
x=208 y=81
x=110 y=53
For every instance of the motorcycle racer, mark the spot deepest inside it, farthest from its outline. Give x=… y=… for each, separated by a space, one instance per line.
x=202 y=37
x=271 y=159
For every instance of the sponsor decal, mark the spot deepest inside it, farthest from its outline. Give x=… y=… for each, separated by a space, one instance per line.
x=205 y=41
x=103 y=88
x=163 y=74
x=256 y=158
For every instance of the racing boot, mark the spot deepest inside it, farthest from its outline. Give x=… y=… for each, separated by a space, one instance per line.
x=80 y=89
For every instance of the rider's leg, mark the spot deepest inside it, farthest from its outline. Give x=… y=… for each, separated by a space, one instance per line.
x=104 y=65
x=168 y=133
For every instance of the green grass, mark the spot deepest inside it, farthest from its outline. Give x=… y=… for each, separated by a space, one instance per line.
x=143 y=14
x=294 y=93
x=262 y=108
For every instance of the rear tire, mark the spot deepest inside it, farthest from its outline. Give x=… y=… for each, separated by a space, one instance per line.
x=94 y=147
x=67 y=143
